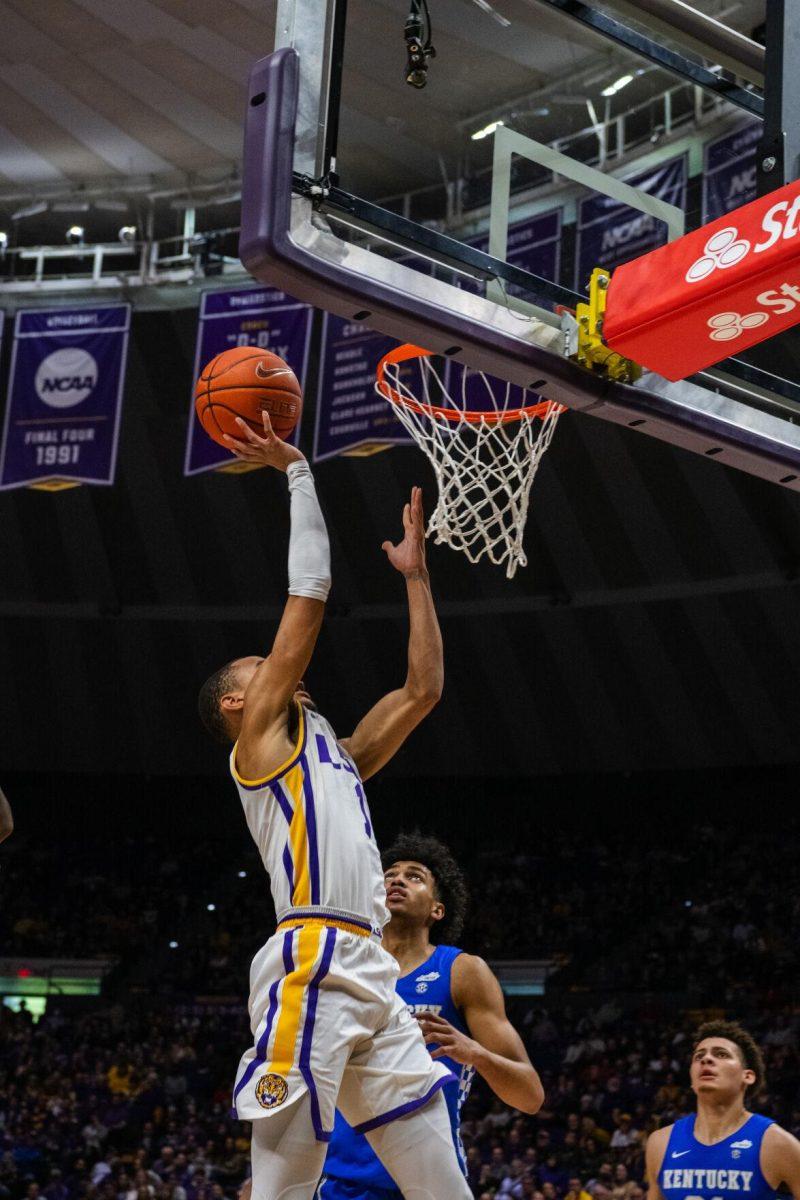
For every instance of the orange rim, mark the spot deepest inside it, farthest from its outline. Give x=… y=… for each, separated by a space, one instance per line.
x=406 y=352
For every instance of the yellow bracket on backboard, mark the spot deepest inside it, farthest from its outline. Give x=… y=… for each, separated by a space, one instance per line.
x=592 y=352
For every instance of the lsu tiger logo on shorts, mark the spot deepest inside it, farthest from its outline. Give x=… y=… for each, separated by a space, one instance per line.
x=271 y=1090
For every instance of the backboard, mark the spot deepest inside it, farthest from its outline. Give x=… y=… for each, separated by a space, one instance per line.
x=465 y=215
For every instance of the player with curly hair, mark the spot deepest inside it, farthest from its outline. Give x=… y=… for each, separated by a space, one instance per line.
x=723 y=1151
x=454 y=996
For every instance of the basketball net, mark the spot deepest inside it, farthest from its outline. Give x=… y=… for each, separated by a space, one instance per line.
x=485 y=462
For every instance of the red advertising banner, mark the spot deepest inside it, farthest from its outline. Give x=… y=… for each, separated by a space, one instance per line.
x=713 y=293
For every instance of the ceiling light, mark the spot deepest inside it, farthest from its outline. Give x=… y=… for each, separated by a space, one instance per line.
x=211 y=907
x=127 y=234
x=3 y=240
x=111 y=205
x=75 y=235
x=486 y=131
x=30 y=210
x=617 y=85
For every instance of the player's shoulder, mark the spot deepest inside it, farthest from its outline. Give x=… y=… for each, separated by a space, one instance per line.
x=656 y=1148
x=779 y=1140
x=472 y=979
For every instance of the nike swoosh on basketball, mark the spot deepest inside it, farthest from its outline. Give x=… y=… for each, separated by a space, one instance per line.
x=679 y=1153
x=269 y=372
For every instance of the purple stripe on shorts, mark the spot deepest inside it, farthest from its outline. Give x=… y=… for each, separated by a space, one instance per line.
x=308 y=1036
x=403 y=1109
x=311 y=829
x=263 y=1042
x=288 y=961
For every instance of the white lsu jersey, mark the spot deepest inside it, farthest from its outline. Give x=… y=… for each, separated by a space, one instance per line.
x=311 y=823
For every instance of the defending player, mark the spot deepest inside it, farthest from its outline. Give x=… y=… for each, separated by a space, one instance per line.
x=328 y=1026
x=456 y=999
x=724 y=1152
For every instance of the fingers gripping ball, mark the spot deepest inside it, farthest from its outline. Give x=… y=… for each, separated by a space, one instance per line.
x=245 y=382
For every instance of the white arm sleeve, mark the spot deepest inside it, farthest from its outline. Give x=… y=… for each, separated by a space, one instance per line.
x=309 y=552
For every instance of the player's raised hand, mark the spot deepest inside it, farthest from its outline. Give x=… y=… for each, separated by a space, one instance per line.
x=266 y=451
x=408 y=556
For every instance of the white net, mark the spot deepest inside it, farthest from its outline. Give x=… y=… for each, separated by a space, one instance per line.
x=485 y=462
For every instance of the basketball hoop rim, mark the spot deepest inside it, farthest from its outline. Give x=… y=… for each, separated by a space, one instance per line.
x=408 y=351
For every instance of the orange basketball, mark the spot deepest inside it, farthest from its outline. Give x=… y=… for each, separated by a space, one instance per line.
x=245 y=382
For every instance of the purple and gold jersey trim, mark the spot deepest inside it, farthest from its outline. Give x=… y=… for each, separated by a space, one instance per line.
x=299 y=748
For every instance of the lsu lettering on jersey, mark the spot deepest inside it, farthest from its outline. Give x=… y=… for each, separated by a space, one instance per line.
x=327 y=1023
x=727 y=1170
x=352 y=1168
x=312 y=826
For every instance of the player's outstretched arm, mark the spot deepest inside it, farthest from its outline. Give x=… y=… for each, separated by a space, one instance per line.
x=654 y=1157
x=383 y=730
x=274 y=683
x=780 y=1160
x=6 y=818
x=495 y=1048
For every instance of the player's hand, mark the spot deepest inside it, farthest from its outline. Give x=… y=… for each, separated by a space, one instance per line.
x=266 y=451
x=409 y=556
x=449 y=1041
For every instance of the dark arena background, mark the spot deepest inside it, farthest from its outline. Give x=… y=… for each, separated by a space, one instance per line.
x=614 y=762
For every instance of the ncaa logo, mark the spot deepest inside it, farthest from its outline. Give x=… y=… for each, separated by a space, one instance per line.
x=66 y=377
x=723 y=249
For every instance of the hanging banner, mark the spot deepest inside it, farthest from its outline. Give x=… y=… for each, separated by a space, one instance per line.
x=261 y=317
x=610 y=233
x=351 y=417
x=729 y=173
x=534 y=245
x=64 y=397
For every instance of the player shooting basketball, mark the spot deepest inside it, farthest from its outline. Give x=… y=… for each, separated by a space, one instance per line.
x=329 y=1028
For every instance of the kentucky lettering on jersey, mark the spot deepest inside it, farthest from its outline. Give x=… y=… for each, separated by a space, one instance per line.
x=311 y=823
x=350 y=1156
x=701 y=1179
x=730 y=1168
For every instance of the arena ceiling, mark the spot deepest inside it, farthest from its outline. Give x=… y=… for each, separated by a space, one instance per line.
x=147 y=95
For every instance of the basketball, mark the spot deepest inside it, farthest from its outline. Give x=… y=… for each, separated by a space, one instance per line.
x=246 y=382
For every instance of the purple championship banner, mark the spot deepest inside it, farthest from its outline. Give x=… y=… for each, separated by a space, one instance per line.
x=610 y=233
x=351 y=417
x=729 y=171
x=261 y=317
x=65 y=397
x=535 y=246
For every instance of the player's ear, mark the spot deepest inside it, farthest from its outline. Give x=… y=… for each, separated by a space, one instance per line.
x=749 y=1077
x=231 y=701
x=437 y=911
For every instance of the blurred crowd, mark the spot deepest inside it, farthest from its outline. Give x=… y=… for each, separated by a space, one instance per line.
x=702 y=915
x=132 y=1102
x=128 y=1096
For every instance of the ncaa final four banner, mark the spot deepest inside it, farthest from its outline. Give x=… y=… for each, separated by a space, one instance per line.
x=64 y=397
x=261 y=317
x=610 y=233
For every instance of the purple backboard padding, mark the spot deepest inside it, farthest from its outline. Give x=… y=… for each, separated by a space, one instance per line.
x=270 y=253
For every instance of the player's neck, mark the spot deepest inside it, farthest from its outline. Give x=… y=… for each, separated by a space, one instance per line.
x=409 y=944
x=717 y=1120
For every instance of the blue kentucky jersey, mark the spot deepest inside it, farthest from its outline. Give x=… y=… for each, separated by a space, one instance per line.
x=426 y=989
x=728 y=1170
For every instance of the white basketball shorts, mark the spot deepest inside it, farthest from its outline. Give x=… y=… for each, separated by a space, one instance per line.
x=326 y=1020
